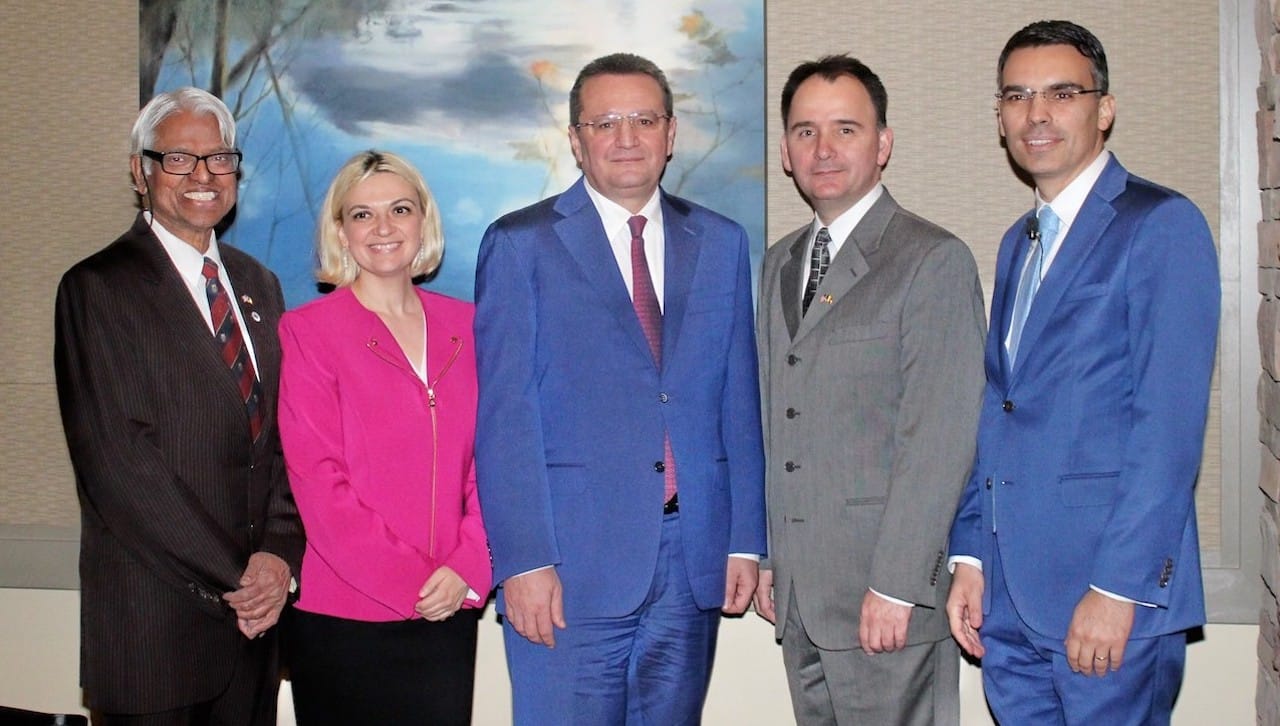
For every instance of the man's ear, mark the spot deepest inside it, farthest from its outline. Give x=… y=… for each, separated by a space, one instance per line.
x=139 y=179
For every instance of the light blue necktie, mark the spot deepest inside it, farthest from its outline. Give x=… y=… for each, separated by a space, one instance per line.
x=1029 y=283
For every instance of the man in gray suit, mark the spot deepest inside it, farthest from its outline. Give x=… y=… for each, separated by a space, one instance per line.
x=870 y=331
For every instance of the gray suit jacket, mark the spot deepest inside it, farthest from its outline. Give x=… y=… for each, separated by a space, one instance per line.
x=870 y=416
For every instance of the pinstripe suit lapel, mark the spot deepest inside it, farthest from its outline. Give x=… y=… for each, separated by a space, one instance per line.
x=261 y=326
x=176 y=314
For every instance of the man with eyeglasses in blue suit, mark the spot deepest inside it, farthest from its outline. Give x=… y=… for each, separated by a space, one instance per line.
x=618 y=450
x=1077 y=568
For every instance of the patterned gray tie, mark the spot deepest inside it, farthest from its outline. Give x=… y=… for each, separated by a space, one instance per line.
x=819 y=261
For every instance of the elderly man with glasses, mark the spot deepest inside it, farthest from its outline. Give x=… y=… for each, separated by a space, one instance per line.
x=618 y=445
x=167 y=367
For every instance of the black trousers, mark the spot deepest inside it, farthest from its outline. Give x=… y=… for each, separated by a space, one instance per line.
x=403 y=672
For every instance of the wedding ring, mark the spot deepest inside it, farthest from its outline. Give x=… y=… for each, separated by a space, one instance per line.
x=1100 y=657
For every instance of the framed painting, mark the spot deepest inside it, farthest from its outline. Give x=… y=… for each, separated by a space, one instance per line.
x=474 y=92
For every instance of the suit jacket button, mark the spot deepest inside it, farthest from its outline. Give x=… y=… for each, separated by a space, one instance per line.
x=790 y=466
x=988 y=482
x=792 y=360
x=1007 y=406
x=659 y=466
x=663 y=397
x=792 y=413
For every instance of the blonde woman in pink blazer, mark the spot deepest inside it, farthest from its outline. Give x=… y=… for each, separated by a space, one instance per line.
x=377 y=417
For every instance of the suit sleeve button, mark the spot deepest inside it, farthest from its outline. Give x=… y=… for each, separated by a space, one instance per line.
x=1007 y=406
x=659 y=466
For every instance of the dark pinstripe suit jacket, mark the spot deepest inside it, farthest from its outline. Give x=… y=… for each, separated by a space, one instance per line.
x=174 y=495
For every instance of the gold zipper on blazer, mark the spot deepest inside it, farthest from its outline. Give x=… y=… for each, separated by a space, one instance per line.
x=431 y=406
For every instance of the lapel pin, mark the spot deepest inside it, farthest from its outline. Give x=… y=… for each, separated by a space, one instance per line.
x=255 y=316
x=246 y=299
x=828 y=300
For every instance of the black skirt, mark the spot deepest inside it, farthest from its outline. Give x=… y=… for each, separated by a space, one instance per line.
x=403 y=672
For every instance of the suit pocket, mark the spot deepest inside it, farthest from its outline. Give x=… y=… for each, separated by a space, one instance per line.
x=1085 y=292
x=859 y=333
x=1089 y=490
x=567 y=478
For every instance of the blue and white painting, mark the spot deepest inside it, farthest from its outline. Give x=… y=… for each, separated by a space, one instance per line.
x=474 y=92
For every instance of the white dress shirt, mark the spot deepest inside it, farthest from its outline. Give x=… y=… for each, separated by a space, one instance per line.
x=615 y=217
x=189 y=262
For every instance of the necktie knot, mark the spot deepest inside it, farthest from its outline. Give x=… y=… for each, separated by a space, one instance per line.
x=210 y=270
x=636 y=224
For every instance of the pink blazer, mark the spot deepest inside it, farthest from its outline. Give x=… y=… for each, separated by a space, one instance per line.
x=381 y=464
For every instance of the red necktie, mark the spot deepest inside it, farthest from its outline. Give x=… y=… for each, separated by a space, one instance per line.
x=645 y=301
x=234 y=352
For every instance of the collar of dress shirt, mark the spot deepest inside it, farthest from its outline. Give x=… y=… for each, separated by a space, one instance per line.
x=1068 y=203
x=614 y=218
x=841 y=227
x=186 y=259
x=189 y=262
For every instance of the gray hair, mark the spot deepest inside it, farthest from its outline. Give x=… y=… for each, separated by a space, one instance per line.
x=163 y=105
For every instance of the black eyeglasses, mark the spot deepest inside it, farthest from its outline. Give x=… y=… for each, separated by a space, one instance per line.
x=182 y=163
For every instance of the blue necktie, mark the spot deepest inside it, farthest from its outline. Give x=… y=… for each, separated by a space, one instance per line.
x=1029 y=283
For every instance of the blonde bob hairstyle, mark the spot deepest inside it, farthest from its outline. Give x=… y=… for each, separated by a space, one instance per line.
x=336 y=266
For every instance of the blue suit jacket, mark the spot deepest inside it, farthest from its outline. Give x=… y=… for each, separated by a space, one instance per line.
x=573 y=407
x=1088 y=448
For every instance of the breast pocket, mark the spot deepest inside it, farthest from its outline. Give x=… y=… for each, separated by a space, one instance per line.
x=1085 y=292
x=860 y=333
x=1089 y=490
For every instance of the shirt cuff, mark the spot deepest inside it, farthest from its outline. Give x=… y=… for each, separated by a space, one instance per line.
x=893 y=600
x=536 y=569
x=1121 y=598
x=746 y=556
x=963 y=560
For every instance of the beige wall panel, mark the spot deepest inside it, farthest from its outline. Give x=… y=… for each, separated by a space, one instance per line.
x=37 y=485
x=69 y=90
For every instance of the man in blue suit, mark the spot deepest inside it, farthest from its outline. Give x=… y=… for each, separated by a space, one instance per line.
x=618 y=449
x=1077 y=568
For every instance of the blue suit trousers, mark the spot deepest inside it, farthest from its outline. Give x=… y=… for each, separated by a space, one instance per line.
x=650 y=667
